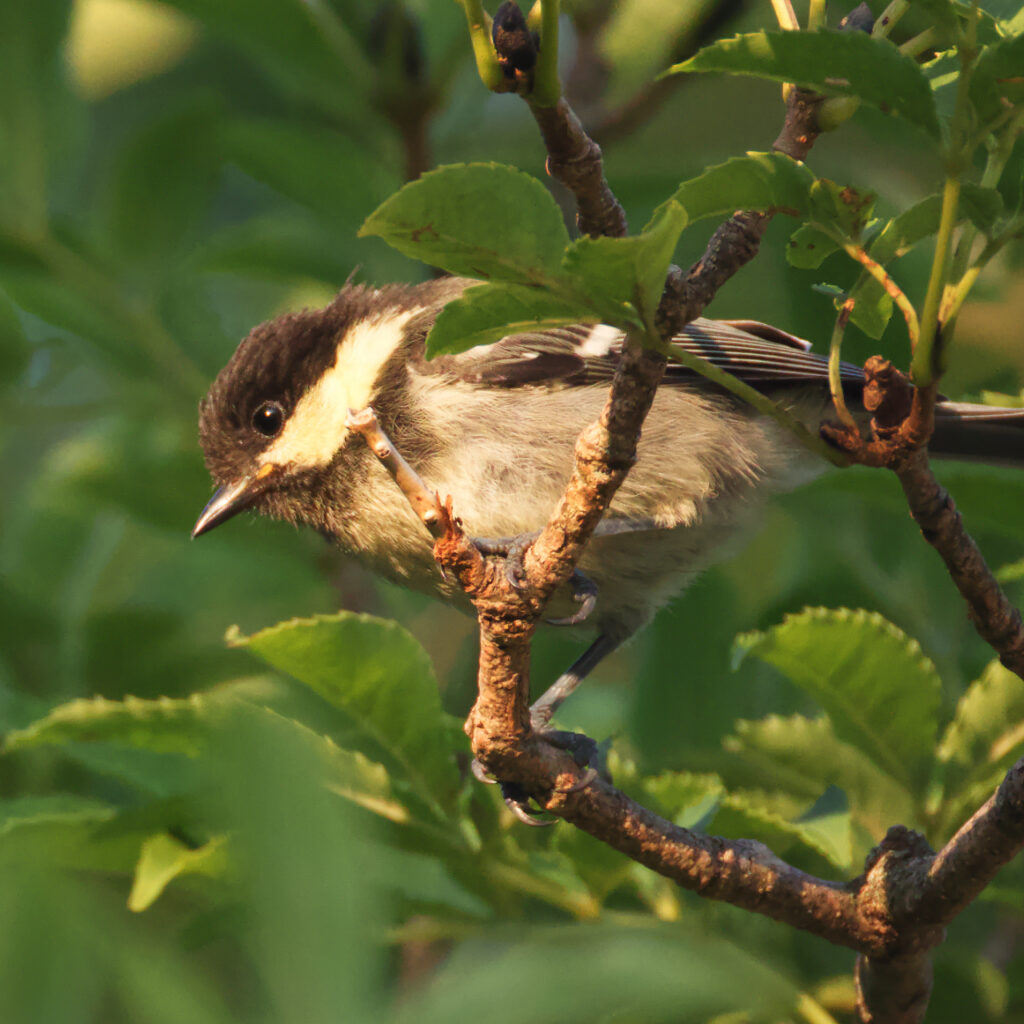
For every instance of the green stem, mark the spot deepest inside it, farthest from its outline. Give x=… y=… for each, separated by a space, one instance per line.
x=963 y=272
x=922 y=42
x=928 y=359
x=889 y=18
x=751 y=396
x=879 y=273
x=835 y=381
x=487 y=65
x=816 y=15
x=547 y=89
x=812 y=1011
x=957 y=294
x=785 y=15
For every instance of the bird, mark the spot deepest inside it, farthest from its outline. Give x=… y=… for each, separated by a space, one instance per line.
x=494 y=427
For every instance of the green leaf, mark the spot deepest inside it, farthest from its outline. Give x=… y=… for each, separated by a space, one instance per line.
x=375 y=672
x=625 y=274
x=164 y=858
x=480 y=220
x=657 y=972
x=873 y=305
x=741 y=817
x=162 y=725
x=809 y=247
x=757 y=181
x=20 y=812
x=688 y=799
x=486 y=313
x=880 y=692
x=65 y=830
x=997 y=77
x=801 y=756
x=841 y=207
x=983 y=740
x=830 y=62
x=348 y=773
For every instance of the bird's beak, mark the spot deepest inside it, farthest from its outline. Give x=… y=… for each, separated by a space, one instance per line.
x=232 y=499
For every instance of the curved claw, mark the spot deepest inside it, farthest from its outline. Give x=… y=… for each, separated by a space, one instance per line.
x=480 y=773
x=519 y=804
x=513 y=550
x=589 y=776
x=584 y=593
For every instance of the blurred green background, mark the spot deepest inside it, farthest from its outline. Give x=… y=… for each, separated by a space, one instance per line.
x=172 y=174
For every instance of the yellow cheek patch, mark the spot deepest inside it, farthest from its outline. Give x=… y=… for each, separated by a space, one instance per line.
x=316 y=428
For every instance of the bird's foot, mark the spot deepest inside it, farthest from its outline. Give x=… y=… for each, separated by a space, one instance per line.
x=512 y=549
x=585 y=752
x=584 y=593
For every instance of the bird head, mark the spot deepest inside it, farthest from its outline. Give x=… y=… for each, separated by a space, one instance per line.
x=272 y=427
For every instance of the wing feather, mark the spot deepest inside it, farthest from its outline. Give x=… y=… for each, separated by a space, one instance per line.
x=756 y=353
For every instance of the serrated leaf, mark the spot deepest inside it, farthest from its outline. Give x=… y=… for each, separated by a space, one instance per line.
x=830 y=62
x=163 y=725
x=996 y=77
x=164 y=858
x=378 y=674
x=757 y=181
x=486 y=313
x=479 y=220
x=739 y=817
x=880 y=692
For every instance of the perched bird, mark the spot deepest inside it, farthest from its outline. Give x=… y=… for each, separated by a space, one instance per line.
x=494 y=427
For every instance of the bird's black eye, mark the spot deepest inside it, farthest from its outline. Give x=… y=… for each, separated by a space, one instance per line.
x=268 y=419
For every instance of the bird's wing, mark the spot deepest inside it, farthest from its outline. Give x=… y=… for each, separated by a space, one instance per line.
x=756 y=353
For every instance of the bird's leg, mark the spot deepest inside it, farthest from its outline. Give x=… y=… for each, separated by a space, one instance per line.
x=543 y=709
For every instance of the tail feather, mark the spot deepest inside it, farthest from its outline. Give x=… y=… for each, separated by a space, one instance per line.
x=983 y=433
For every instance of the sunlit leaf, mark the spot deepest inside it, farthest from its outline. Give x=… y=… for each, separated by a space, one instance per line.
x=379 y=675
x=481 y=220
x=880 y=692
x=830 y=62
